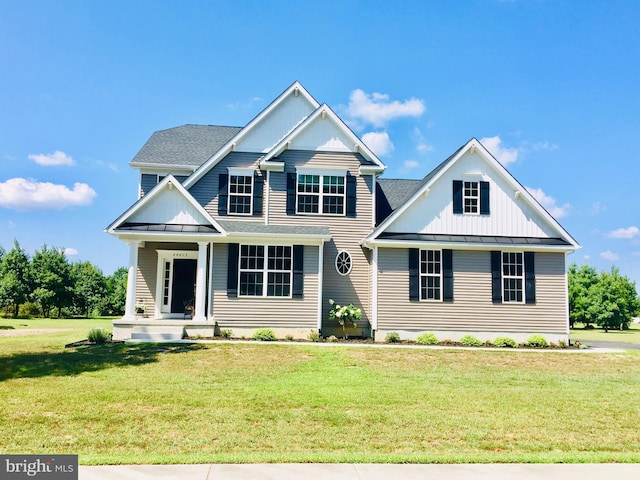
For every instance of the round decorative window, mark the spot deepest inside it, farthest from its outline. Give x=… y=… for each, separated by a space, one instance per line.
x=343 y=263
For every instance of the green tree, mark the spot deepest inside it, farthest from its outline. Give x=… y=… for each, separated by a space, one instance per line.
x=15 y=278
x=89 y=287
x=116 y=292
x=614 y=301
x=581 y=280
x=52 y=280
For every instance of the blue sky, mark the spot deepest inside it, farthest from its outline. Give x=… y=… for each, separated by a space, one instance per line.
x=550 y=87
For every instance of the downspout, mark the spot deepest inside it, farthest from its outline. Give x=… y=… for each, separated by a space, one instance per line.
x=266 y=198
x=320 y=283
x=374 y=293
x=210 y=290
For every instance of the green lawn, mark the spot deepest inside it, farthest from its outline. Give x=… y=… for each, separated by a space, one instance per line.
x=627 y=336
x=235 y=402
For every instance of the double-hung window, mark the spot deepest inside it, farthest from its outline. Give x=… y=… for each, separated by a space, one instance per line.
x=471 y=197
x=265 y=271
x=240 y=194
x=431 y=275
x=321 y=194
x=512 y=277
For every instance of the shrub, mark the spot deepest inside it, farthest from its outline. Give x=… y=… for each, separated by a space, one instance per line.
x=427 y=339
x=332 y=339
x=471 y=341
x=505 y=342
x=392 y=337
x=314 y=336
x=562 y=344
x=345 y=315
x=537 y=341
x=289 y=338
x=264 y=335
x=226 y=333
x=98 y=335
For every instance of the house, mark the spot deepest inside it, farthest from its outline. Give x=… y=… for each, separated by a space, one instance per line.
x=259 y=226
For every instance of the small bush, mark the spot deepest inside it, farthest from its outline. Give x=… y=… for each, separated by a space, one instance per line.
x=392 y=337
x=505 y=342
x=471 y=341
x=314 y=336
x=537 y=341
x=264 y=335
x=98 y=335
x=289 y=338
x=332 y=339
x=427 y=339
x=562 y=344
x=226 y=333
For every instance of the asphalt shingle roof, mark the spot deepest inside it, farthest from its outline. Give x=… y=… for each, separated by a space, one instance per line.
x=190 y=145
x=259 y=227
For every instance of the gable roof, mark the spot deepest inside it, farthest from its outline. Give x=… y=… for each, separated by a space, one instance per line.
x=325 y=113
x=129 y=222
x=185 y=146
x=294 y=89
x=391 y=194
x=437 y=172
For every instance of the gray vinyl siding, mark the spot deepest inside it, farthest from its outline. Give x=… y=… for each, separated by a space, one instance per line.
x=148 y=270
x=472 y=308
x=272 y=312
x=205 y=190
x=150 y=180
x=346 y=232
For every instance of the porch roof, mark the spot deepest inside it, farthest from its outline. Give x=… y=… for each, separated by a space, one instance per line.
x=259 y=228
x=166 y=227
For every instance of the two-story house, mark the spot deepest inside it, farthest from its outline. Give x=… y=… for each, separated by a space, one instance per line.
x=259 y=226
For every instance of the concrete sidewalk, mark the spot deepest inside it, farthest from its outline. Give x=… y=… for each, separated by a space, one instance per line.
x=317 y=471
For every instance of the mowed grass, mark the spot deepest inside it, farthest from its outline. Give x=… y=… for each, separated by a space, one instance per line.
x=235 y=402
x=632 y=335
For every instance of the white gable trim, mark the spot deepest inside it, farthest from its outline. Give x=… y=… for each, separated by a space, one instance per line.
x=324 y=113
x=470 y=147
x=296 y=89
x=169 y=182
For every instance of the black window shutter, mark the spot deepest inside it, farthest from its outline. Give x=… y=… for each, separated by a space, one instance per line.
x=298 y=271
x=232 y=270
x=529 y=277
x=414 y=276
x=291 y=193
x=223 y=180
x=457 y=196
x=496 y=277
x=351 y=195
x=447 y=268
x=258 y=183
x=484 y=198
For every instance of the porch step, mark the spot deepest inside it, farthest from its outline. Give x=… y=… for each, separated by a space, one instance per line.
x=157 y=333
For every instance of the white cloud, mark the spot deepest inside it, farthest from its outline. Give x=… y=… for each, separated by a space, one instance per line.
x=630 y=232
x=378 y=142
x=421 y=144
x=609 y=255
x=408 y=165
x=587 y=257
x=69 y=251
x=377 y=109
x=503 y=154
x=52 y=159
x=549 y=203
x=544 y=146
x=21 y=194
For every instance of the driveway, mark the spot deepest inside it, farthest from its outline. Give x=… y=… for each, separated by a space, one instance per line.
x=606 y=344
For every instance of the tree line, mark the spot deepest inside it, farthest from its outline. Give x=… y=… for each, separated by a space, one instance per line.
x=47 y=284
x=606 y=299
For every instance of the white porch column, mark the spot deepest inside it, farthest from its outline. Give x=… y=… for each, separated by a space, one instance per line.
x=130 y=305
x=201 y=280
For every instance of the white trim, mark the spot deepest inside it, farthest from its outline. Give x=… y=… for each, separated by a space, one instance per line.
x=267 y=196
x=199 y=302
x=210 y=286
x=320 y=283
x=321 y=194
x=331 y=172
x=130 y=301
x=465 y=246
x=374 y=286
x=238 y=172
x=427 y=275
x=241 y=171
x=169 y=256
x=522 y=278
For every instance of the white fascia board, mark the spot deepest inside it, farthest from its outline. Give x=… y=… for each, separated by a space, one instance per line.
x=155 y=191
x=272 y=166
x=370 y=244
x=174 y=237
x=371 y=170
x=276 y=239
x=161 y=167
x=324 y=109
x=296 y=88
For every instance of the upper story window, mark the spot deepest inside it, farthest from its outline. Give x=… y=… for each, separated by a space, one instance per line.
x=321 y=194
x=470 y=197
x=240 y=194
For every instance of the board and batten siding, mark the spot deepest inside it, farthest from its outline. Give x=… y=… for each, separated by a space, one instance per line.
x=148 y=270
x=205 y=190
x=271 y=312
x=472 y=308
x=346 y=232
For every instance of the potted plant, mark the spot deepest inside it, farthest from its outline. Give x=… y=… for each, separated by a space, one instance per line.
x=345 y=315
x=140 y=307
